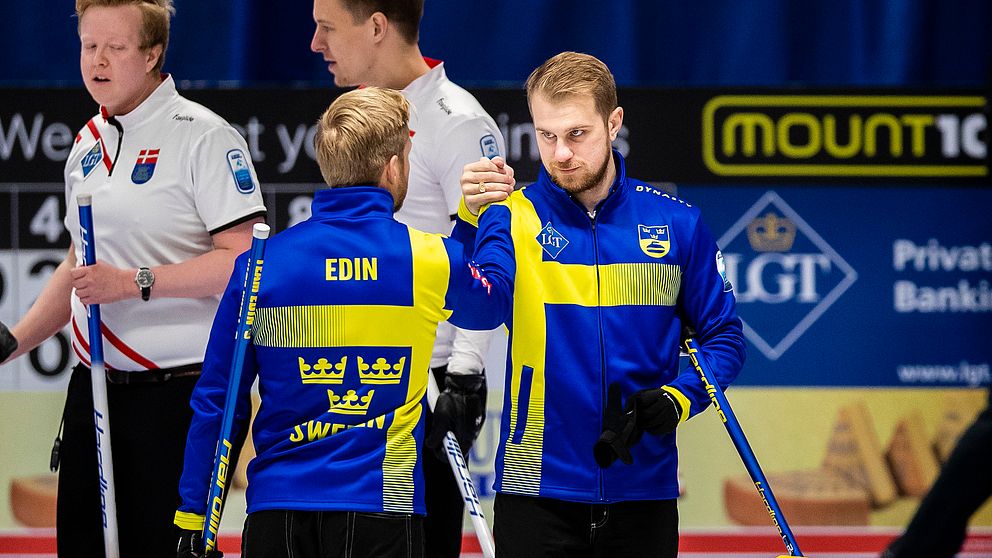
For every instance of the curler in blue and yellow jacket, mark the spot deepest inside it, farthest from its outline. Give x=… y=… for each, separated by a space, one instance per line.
x=597 y=301
x=346 y=314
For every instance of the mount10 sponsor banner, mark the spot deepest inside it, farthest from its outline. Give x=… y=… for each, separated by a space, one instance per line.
x=674 y=135
x=844 y=285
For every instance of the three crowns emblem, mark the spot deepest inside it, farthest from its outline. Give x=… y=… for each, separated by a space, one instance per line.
x=373 y=370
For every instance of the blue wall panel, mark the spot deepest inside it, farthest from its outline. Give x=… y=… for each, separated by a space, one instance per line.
x=707 y=43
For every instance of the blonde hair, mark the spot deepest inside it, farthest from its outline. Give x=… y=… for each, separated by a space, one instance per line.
x=358 y=135
x=573 y=74
x=155 y=18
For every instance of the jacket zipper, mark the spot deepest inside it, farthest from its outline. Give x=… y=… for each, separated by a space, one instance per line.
x=593 y=215
x=602 y=346
x=120 y=141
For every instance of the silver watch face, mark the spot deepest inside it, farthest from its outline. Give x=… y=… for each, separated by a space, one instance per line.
x=145 y=278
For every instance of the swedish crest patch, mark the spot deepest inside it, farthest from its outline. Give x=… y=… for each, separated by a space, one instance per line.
x=654 y=240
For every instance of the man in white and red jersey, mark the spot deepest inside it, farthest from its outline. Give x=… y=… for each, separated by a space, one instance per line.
x=166 y=178
x=374 y=42
x=174 y=200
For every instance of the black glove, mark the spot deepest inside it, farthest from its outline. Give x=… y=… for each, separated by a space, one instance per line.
x=657 y=411
x=191 y=546
x=461 y=409
x=8 y=344
x=619 y=431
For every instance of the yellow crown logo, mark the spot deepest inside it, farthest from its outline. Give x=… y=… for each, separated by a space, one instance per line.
x=771 y=233
x=350 y=403
x=381 y=372
x=323 y=372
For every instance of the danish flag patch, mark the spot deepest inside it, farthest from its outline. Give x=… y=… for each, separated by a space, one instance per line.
x=144 y=167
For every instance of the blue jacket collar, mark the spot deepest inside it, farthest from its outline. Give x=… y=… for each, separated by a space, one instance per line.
x=353 y=202
x=619 y=182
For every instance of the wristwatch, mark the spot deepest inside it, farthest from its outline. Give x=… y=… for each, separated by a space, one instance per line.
x=145 y=279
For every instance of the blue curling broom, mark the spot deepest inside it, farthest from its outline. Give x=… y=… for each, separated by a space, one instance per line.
x=98 y=377
x=222 y=458
x=743 y=448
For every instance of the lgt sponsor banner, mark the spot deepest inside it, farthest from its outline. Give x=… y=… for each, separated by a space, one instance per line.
x=847 y=286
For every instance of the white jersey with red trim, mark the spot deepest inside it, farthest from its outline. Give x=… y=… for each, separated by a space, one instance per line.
x=163 y=178
x=449 y=129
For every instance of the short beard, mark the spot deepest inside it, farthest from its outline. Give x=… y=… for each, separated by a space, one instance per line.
x=576 y=187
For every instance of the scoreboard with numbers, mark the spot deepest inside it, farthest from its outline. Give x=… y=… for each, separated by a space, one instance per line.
x=32 y=245
x=34 y=242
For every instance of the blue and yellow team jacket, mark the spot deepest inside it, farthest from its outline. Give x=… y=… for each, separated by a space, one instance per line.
x=597 y=300
x=347 y=310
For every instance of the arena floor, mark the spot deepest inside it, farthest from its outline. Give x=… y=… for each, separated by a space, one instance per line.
x=817 y=542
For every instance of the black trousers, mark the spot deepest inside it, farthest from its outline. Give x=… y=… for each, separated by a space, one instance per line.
x=309 y=534
x=526 y=527
x=445 y=507
x=149 y=423
x=939 y=527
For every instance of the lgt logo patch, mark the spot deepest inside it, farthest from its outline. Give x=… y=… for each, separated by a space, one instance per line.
x=92 y=159
x=551 y=240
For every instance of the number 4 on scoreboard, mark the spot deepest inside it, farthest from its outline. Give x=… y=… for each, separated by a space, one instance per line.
x=47 y=221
